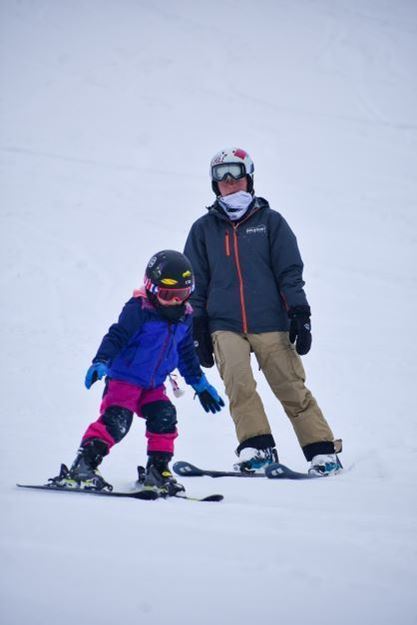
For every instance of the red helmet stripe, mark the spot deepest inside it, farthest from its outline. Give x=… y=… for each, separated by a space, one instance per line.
x=240 y=154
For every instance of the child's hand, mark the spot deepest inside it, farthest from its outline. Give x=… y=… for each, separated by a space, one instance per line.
x=97 y=371
x=208 y=396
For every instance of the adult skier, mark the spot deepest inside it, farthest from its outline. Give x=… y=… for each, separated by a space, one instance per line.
x=152 y=337
x=249 y=298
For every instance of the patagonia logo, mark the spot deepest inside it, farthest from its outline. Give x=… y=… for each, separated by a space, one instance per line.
x=256 y=229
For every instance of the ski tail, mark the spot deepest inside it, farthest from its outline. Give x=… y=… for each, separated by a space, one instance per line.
x=135 y=494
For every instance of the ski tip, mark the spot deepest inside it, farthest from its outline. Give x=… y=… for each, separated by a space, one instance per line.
x=213 y=498
x=191 y=498
x=186 y=469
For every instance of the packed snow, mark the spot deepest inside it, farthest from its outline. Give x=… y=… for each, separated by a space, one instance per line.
x=110 y=113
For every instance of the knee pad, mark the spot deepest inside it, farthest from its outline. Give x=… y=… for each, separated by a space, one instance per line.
x=117 y=421
x=161 y=417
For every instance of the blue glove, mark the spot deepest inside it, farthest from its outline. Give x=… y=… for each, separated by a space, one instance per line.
x=97 y=371
x=208 y=396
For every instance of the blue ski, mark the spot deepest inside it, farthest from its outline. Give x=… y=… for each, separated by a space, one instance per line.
x=273 y=471
x=186 y=469
x=279 y=471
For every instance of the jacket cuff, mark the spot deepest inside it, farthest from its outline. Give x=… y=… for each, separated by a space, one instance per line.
x=100 y=359
x=299 y=311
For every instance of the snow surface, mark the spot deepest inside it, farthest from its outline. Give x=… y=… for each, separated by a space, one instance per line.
x=110 y=113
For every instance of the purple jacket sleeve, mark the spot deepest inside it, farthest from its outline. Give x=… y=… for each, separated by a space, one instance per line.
x=188 y=364
x=129 y=322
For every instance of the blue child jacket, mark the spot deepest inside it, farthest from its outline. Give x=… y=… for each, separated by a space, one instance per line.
x=143 y=347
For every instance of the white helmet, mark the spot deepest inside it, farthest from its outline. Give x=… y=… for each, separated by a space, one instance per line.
x=233 y=162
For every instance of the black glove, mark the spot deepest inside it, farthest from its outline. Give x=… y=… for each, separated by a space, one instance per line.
x=300 y=328
x=202 y=341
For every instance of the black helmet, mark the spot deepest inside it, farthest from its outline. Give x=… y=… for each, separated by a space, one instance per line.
x=169 y=275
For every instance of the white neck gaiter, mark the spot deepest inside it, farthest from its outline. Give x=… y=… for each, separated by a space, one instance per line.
x=236 y=204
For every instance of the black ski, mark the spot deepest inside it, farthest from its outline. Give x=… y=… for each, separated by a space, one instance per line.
x=134 y=494
x=208 y=498
x=186 y=469
x=145 y=494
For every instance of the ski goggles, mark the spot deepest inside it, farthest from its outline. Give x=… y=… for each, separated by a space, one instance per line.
x=221 y=171
x=168 y=295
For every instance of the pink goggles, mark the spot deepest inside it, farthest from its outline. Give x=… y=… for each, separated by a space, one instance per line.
x=168 y=295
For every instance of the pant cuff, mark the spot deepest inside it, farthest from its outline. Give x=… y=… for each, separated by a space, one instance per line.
x=161 y=442
x=264 y=441
x=323 y=447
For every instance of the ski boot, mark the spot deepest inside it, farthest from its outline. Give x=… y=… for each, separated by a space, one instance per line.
x=253 y=460
x=158 y=476
x=325 y=464
x=83 y=472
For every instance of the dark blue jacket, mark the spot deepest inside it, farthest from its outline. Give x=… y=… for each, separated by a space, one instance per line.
x=143 y=348
x=247 y=273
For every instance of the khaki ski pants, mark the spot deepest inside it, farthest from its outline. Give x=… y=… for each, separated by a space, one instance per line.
x=285 y=374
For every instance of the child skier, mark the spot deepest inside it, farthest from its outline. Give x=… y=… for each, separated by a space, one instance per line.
x=152 y=337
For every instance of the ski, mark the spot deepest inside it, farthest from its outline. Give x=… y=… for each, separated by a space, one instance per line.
x=273 y=471
x=186 y=469
x=278 y=471
x=145 y=494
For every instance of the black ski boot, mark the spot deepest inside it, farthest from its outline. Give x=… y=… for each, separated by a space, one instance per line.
x=159 y=477
x=83 y=472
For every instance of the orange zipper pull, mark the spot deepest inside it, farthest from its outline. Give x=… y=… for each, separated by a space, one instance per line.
x=227 y=242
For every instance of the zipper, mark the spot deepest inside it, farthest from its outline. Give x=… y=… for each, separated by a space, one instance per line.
x=163 y=349
x=227 y=243
x=239 y=271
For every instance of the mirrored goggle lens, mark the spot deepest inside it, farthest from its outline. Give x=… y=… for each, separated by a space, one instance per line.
x=235 y=170
x=168 y=295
